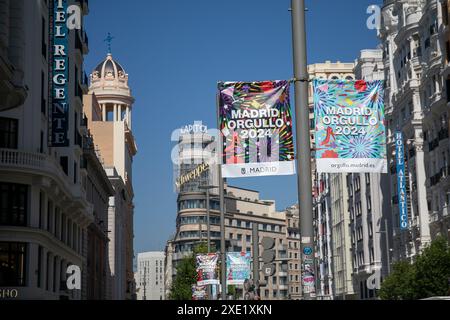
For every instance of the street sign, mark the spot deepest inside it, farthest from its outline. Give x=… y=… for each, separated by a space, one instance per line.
x=269 y=269
x=307 y=251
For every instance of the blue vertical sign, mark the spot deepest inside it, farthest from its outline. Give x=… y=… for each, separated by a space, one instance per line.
x=59 y=74
x=401 y=180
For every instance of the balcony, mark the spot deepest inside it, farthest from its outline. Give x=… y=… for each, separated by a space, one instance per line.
x=44 y=166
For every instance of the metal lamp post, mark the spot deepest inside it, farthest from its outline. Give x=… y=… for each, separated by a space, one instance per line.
x=302 y=137
x=208 y=224
x=388 y=250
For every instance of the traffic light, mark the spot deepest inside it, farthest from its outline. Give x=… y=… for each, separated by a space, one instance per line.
x=268 y=256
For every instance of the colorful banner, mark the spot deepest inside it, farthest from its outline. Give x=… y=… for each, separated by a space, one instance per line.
x=308 y=277
x=401 y=180
x=256 y=127
x=207 y=269
x=59 y=74
x=238 y=267
x=350 y=126
x=198 y=292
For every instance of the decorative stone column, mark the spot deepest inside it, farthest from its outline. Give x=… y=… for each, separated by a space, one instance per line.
x=104 y=112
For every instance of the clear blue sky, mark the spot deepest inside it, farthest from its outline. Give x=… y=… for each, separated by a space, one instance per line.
x=175 y=51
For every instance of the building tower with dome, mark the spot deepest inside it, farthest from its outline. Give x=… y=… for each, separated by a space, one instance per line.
x=108 y=108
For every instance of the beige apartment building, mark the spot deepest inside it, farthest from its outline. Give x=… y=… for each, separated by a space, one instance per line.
x=109 y=108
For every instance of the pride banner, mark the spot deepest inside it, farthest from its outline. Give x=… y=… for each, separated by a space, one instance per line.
x=207 y=269
x=238 y=267
x=350 y=132
x=256 y=128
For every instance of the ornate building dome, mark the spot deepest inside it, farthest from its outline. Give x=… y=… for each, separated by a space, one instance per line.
x=108 y=77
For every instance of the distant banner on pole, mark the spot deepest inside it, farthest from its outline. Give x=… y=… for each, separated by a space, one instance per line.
x=350 y=127
x=198 y=292
x=401 y=180
x=256 y=127
x=238 y=267
x=207 y=269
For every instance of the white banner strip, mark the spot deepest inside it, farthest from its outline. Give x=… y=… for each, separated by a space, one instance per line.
x=336 y=165
x=243 y=170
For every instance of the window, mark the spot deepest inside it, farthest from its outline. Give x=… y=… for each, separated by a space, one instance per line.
x=248 y=238
x=39 y=277
x=43 y=35
x=64 y=162
x=75 y=166
x=12 y=264
x=43 y=93
x=8 y=133
x=13 y=205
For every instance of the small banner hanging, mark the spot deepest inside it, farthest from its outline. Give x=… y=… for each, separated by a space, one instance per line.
x=238 y=267
x=256 y=128
x=350 y=132
x=207 y=269
x=198 y=292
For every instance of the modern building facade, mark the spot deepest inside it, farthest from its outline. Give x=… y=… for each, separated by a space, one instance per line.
x=45 y=209
x=110 y=123
x=150 y=276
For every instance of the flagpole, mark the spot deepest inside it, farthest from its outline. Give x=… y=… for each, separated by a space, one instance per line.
x=302 y=140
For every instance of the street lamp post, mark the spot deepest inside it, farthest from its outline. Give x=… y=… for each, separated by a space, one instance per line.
x=208 y=224
x=302 y=138
x=388 y=250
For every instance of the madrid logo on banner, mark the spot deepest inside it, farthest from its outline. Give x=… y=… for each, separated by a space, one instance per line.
x=207 y=269
x=256 y=128
x=238 y=267
x=350 y=126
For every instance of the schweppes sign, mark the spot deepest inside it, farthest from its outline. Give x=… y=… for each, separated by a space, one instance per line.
x=192 y=175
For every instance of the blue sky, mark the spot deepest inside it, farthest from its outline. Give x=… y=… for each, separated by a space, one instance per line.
x=175 y=51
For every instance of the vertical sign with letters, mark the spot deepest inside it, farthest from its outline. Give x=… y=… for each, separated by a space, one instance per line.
x=401 y=180
x=59 y=111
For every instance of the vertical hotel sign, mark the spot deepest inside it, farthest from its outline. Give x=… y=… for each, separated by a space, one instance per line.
x=401 y=180
x=59 y=102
